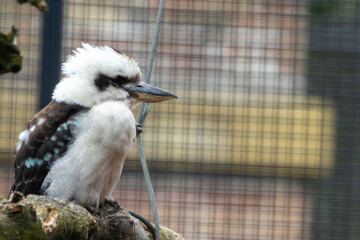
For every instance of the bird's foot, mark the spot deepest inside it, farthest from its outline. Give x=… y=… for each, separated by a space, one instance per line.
x=138 y=128
x=94 y=211
x=114 y=203
x=91 y=209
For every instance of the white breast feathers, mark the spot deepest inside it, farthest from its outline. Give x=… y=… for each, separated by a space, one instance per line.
x=90 y=169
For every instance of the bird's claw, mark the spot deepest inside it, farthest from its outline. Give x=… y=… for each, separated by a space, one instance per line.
x=114 y=203
x=94 y=211
x=117 y=204
x=138 y=128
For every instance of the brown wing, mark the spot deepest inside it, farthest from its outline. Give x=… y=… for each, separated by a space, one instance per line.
x=45 y=139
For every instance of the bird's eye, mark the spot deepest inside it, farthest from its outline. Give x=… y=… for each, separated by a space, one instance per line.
x=120 y=80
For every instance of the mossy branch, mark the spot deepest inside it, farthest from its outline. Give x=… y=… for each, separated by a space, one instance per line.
x=41 y=5
x=40 y=217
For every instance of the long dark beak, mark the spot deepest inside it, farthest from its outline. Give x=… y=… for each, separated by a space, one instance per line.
x=148 y=93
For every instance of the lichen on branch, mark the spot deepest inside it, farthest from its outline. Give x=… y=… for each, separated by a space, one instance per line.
x=40 y=217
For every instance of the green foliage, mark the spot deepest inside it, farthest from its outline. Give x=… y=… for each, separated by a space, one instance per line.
x=337 y=8
x=39 y=4
x=10 y=59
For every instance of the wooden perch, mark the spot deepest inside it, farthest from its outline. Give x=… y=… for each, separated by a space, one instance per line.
x=40 y=217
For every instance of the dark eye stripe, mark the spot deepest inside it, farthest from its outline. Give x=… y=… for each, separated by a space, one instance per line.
x=120 y=80
x=102 y=82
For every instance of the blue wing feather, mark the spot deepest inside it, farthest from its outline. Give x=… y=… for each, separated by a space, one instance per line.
x=43 y=143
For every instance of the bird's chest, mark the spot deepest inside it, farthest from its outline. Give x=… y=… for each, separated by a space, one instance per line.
x=93 y=163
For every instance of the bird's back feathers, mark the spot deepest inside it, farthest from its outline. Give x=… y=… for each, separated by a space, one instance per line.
x=44 y=140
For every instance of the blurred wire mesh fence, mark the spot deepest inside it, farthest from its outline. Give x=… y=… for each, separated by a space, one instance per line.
x=263 y=140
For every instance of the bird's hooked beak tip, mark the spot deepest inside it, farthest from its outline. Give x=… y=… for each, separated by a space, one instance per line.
x=147 y=93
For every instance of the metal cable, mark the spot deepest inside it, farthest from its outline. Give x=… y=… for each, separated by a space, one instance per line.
x=143 y=111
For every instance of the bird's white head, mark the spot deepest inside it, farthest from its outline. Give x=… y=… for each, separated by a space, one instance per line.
x=94 y=74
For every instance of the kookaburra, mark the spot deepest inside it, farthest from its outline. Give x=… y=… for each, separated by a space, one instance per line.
x=75 y=147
